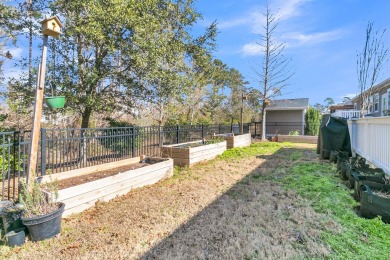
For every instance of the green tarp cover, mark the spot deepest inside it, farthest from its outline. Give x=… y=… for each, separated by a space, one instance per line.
x=333 y=135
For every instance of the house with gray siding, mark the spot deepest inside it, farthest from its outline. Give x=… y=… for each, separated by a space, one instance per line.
x=286 y=115
x=379 y=101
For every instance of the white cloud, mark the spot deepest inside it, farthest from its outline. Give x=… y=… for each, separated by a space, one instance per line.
x=296 y=39
x=283 y=10
x=233 y=23
x=251 y=49
x=288 y=8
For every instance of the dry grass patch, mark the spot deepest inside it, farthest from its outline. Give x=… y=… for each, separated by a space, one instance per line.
x=225 y=209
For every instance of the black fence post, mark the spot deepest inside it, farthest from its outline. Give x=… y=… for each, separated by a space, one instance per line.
x=255 y=128
x=219 y=128
x=177 y=133
x=43 y=151
x=231 y=127
x=202 y=131
x=133 y=133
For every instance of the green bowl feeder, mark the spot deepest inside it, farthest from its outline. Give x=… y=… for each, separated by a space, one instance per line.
x=55 y=102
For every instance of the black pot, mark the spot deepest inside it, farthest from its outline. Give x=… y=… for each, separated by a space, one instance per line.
x=345 y=168
x=11 y=219
x=15 y=237
x=4 y=205
x=45 y=226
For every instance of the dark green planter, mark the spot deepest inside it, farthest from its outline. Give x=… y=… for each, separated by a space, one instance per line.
x=372 y=205
x=374 y=182
x=11 y=219
x=15 y=237
x=55 y=102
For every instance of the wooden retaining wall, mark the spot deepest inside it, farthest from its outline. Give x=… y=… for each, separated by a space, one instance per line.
x=187 y=156
x=298 y=139
x=238 y=140
x=81 y=197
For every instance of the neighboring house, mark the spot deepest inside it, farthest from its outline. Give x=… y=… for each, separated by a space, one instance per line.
x=345 y=110
x=286 y=115
x=379 y=101
x=346 y=106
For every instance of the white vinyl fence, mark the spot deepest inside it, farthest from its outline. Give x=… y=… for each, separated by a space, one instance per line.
x=370 y=138
x=347 y=114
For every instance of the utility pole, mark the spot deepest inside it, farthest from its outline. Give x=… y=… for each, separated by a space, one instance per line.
x=50 y=26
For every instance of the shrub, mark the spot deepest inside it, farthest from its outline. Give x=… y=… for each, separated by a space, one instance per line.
x=294 y=132
x=313 y=119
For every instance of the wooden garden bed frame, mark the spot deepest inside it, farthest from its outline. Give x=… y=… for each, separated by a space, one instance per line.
x=232 y=141
x=188 y=156
x=298 y=139
x=81 y=197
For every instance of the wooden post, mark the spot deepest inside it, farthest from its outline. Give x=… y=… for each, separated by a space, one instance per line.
x=31 y=174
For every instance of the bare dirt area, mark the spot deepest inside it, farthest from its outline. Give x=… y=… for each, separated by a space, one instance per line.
x=217 y=210
x=66 y=183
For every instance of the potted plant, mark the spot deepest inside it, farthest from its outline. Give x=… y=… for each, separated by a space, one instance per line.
x=41 y=214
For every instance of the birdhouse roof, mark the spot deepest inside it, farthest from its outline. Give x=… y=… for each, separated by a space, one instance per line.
x=51 y=18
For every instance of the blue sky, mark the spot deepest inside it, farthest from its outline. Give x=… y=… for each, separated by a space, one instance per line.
x=323 y=38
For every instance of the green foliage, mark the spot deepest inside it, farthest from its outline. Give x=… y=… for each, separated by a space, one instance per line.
x=36 y=202
x=358 y=237
x=294 y=132
x=312 y=120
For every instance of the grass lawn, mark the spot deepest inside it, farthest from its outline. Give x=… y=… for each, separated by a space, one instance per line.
x=269 y=200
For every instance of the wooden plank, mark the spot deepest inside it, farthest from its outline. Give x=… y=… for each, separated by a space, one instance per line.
x=187 y=156
x=107 y=197
x=174 y=145
x=200 y=148
x=210 y=150
x=298 y=139
x=205 y=157
x=90 y=186
x=181 y=162
x=83 y=197
x=88 y=170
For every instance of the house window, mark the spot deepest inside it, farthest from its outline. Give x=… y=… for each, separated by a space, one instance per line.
x=388 y=98
x=354 y=106
x=384 y=104
x=376 y=103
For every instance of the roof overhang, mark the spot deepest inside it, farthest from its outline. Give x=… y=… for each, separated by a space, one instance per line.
x=284 y=108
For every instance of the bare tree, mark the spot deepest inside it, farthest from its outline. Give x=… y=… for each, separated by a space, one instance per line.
x=274 y=72
x=369 y=64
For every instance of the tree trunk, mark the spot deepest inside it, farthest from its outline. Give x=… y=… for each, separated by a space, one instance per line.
x=263 y=123
x=86 y=115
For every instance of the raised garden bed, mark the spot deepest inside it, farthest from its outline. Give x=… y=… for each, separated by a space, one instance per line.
x=84 y=190
x=187 y=154
x=298 y=139
x=240 y=140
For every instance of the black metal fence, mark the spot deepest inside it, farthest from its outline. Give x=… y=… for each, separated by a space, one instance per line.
x=68 y=149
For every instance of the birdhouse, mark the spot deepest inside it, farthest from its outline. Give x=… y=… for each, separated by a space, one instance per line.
x=51 y=26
